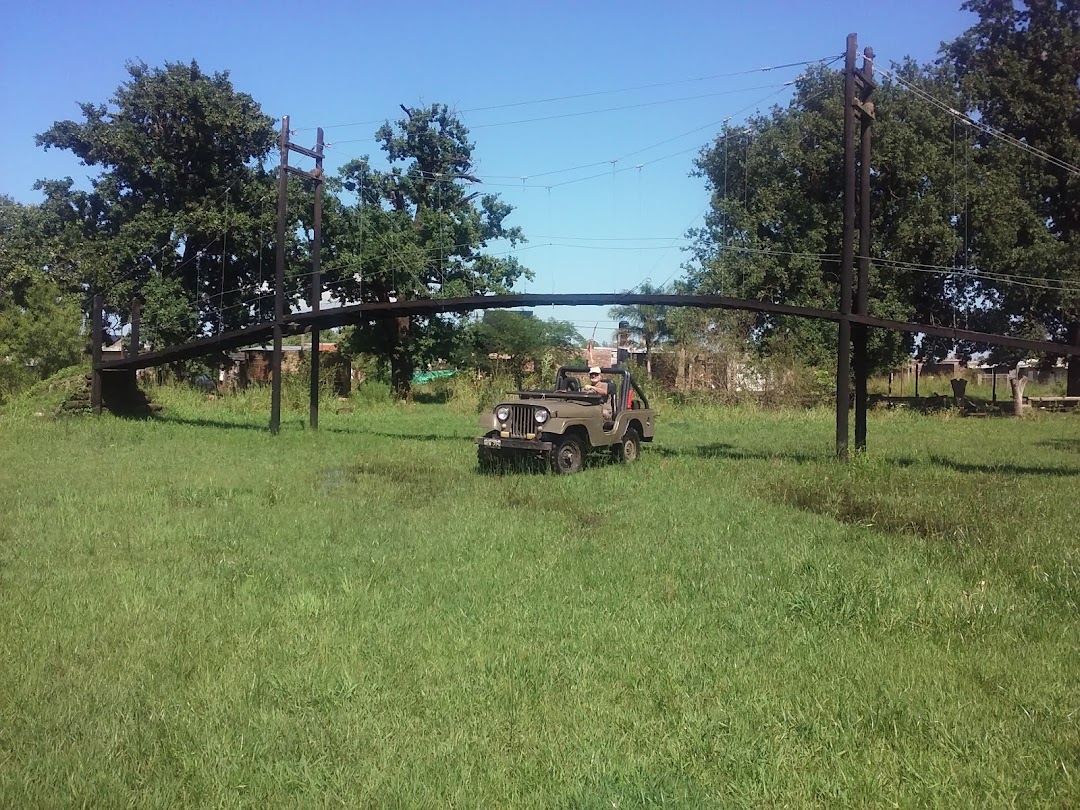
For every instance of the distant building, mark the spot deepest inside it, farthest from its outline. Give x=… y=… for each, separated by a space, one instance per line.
x=252 y=364
x=606 y=356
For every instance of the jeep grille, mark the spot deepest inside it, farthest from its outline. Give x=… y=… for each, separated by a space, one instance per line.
x=522 y=421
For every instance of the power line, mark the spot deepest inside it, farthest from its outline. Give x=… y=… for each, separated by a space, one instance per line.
x=594 y=112
x=986 y=128
x=1061 y=285
x=523 y=177
x=594 y=93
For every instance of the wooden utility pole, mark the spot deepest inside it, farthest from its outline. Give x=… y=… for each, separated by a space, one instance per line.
x=864 y=88
x=847 y=254
x=316 y=282
x=316 y=174
x=857 y=89
x=279 y=277
x=96 y=330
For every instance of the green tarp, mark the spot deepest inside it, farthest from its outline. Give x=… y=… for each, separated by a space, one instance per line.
x=421 y=377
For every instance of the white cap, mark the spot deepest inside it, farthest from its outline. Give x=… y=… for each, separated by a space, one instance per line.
x=594 y=370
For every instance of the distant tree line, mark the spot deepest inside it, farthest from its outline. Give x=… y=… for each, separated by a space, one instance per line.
x=969 y=227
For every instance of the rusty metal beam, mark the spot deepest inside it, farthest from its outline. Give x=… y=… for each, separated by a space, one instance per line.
x=360 y=313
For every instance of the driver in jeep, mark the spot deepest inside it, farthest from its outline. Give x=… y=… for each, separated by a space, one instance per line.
x=598 y=386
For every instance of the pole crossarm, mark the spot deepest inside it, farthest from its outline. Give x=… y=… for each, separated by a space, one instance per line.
x=297 y=323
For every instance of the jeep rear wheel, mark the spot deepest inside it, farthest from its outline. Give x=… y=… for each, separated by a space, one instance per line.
x=568 y=456
x=629 y=449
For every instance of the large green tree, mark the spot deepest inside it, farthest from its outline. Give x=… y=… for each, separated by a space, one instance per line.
x=41 y=323
x=775 y=225
x=1018 y=68
x=181 y=195
x=509 y=341
x=416 y=230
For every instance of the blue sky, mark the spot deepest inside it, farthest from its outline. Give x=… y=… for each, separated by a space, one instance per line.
x=347 y=67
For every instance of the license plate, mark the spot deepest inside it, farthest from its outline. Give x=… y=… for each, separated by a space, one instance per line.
x=492 y=442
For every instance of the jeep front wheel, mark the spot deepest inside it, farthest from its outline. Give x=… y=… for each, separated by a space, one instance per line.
x=568 y=456
x=487 y=461
x=629 y=449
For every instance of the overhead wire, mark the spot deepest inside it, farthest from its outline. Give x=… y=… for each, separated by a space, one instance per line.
x=591 y=112
x=394 y=254
x=594 y=93
x=967 y=120
x=610 y=161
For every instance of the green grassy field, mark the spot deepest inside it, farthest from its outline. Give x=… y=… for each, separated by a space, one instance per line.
x=196 y=613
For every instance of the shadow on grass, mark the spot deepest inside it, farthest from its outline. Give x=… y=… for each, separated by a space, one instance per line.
x=1007 y=469
x=723 y=450
x=414 y=481
x=1066 y=445
x=302 y=424
x=417 y=437
x=529 y=465
x=431 y=397
x=264 y=428
x=514 y=466
x=132 y=415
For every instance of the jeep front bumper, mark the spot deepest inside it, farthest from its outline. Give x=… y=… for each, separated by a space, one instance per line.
x=499 y=443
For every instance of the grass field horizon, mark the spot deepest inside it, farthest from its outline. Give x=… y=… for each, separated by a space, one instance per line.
x=197 y=613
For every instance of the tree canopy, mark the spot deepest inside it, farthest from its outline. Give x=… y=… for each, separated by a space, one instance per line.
x=646 y=324
x=976 y=207
x=416 y=230
x=181 y=195
x=1018 y=69
x=517 y=342
x=969 y=228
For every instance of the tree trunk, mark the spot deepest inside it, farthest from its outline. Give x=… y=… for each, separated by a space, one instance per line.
x=1072 y=387
x=401 y=364
x=959 y=389
x=680 y=370
x=1017 y=384
x=648 y=360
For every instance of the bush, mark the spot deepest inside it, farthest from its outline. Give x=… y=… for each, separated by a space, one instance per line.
x=371 y=392
x=471 y=394
x=14 y=378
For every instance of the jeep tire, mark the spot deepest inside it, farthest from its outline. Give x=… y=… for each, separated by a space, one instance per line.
x=568 y=456
x=628 y=449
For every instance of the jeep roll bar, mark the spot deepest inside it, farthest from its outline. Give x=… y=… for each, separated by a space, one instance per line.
x=624 y=400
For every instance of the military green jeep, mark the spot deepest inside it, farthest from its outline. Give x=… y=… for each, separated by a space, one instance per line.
x=563 y=425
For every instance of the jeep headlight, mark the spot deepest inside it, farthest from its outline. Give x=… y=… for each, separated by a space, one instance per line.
x=502 y=413
x=541 y=415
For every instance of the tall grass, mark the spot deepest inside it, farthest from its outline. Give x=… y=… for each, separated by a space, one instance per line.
x=200 y=614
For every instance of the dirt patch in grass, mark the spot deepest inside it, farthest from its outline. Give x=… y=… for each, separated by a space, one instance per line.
x=412 y=478
x=566 y=513
x=868 y=510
